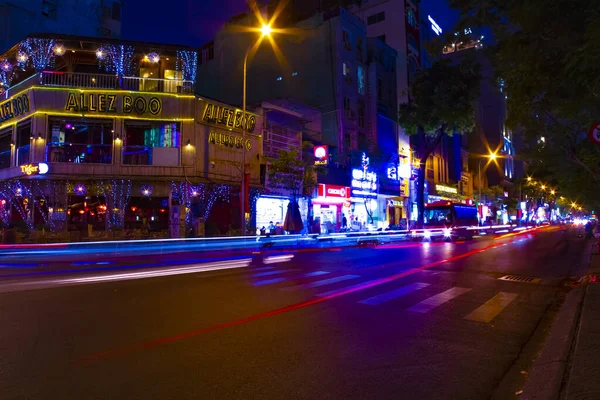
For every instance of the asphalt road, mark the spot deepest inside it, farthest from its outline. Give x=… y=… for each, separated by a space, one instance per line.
x=410 y=321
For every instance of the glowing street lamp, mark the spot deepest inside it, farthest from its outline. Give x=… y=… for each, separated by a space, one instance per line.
x=265 y=31
x=552 y=192
x=491 y=157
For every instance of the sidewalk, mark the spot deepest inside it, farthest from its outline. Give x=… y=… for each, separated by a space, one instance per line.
x=583 y=380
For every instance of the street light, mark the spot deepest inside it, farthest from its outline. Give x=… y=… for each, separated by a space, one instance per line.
x=265 y=30
x=552 y=192
x=492 y=157
x=528 y=179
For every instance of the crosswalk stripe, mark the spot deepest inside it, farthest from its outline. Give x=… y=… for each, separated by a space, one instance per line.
x=322 y=282
x=344 y=289
x=267 y=273
x=435 y=301
x=491 y=308
x=268 y=281
x=277 y=280
x=382 y=298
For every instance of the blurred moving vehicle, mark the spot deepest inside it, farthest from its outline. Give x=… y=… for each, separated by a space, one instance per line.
x=450 y=220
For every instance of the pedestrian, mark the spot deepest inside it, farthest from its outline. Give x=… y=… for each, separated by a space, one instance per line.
x=344 y=223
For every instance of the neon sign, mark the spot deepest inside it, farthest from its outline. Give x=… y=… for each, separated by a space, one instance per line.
x=434 y=26
x=447 y=189
x=321 y=153
x=32 y=169
x=364 y=183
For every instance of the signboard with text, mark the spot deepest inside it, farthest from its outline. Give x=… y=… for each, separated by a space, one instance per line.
x=340 y=192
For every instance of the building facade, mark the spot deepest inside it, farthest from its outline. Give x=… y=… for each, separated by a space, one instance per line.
x=105 y=136
x=21 y=18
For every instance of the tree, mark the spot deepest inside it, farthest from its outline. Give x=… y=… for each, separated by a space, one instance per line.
x=296 y=173
x=441 y=102
x=547 y=53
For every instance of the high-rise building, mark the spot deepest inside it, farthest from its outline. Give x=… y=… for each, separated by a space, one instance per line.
x=329 y=64
x=21 y=18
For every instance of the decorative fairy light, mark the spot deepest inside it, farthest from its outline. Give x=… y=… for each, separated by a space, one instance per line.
x=187 y=63
x=118 y=59
x=101 y=54
x=59 y=49
x=153 y=57
x=80 y=189
x=40 y=51
x=202 y=195
x=22 y=59
x=6 y=66
x=146 y=190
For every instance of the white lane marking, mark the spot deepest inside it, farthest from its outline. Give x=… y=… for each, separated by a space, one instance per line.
x=322 y=282
x=435 y=301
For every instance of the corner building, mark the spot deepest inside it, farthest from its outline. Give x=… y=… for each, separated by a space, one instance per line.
x=106 y=138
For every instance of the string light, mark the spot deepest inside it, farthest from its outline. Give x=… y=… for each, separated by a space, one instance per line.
x=146 y=190
x=153 y=57
x=187 y=63
x=41 y=52
x=119 y=59
x=59 y=49
x=80 y=189
x=100 y=54
x=203 y=195
x=22 y=59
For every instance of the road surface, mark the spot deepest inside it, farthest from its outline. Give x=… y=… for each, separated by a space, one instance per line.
x=409 y=320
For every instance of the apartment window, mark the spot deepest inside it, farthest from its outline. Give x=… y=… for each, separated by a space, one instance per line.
x=361 y=113
x=116 y=11
x=410 y=16
x=151 y=143
x=23 y=142
x=80 y=141
x=211 y=52
x=346 y=39
x=359 y=48
x=5 y=140
x=346 y=103
x=361 y=80
x=375 y=18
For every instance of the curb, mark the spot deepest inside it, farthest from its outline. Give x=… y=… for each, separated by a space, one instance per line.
x=547 y=375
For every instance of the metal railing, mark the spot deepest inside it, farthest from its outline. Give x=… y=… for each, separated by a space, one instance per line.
x=77 y=153
x=102 y=81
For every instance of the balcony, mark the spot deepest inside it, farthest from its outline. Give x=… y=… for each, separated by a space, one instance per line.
x=102 y=81
x=79 y=153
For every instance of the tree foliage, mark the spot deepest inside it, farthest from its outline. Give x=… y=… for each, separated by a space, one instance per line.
x=441 y=102
x=547 y=52
x=294 y=171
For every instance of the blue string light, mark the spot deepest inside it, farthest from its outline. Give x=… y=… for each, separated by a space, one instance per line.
x=117 y=59
x=187 y=63
x=39 y=51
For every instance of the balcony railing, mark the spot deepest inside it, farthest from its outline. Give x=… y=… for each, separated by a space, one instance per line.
x=79 y=153
x=102 y=81
x=137 y=155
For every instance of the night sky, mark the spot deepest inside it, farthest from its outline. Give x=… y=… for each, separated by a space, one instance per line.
x=194 y=22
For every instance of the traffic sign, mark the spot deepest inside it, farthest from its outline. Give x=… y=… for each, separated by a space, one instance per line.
x=594 y=133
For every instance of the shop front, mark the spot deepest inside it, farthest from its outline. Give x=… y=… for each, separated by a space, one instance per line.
x=364 y=209
x=331 y=208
